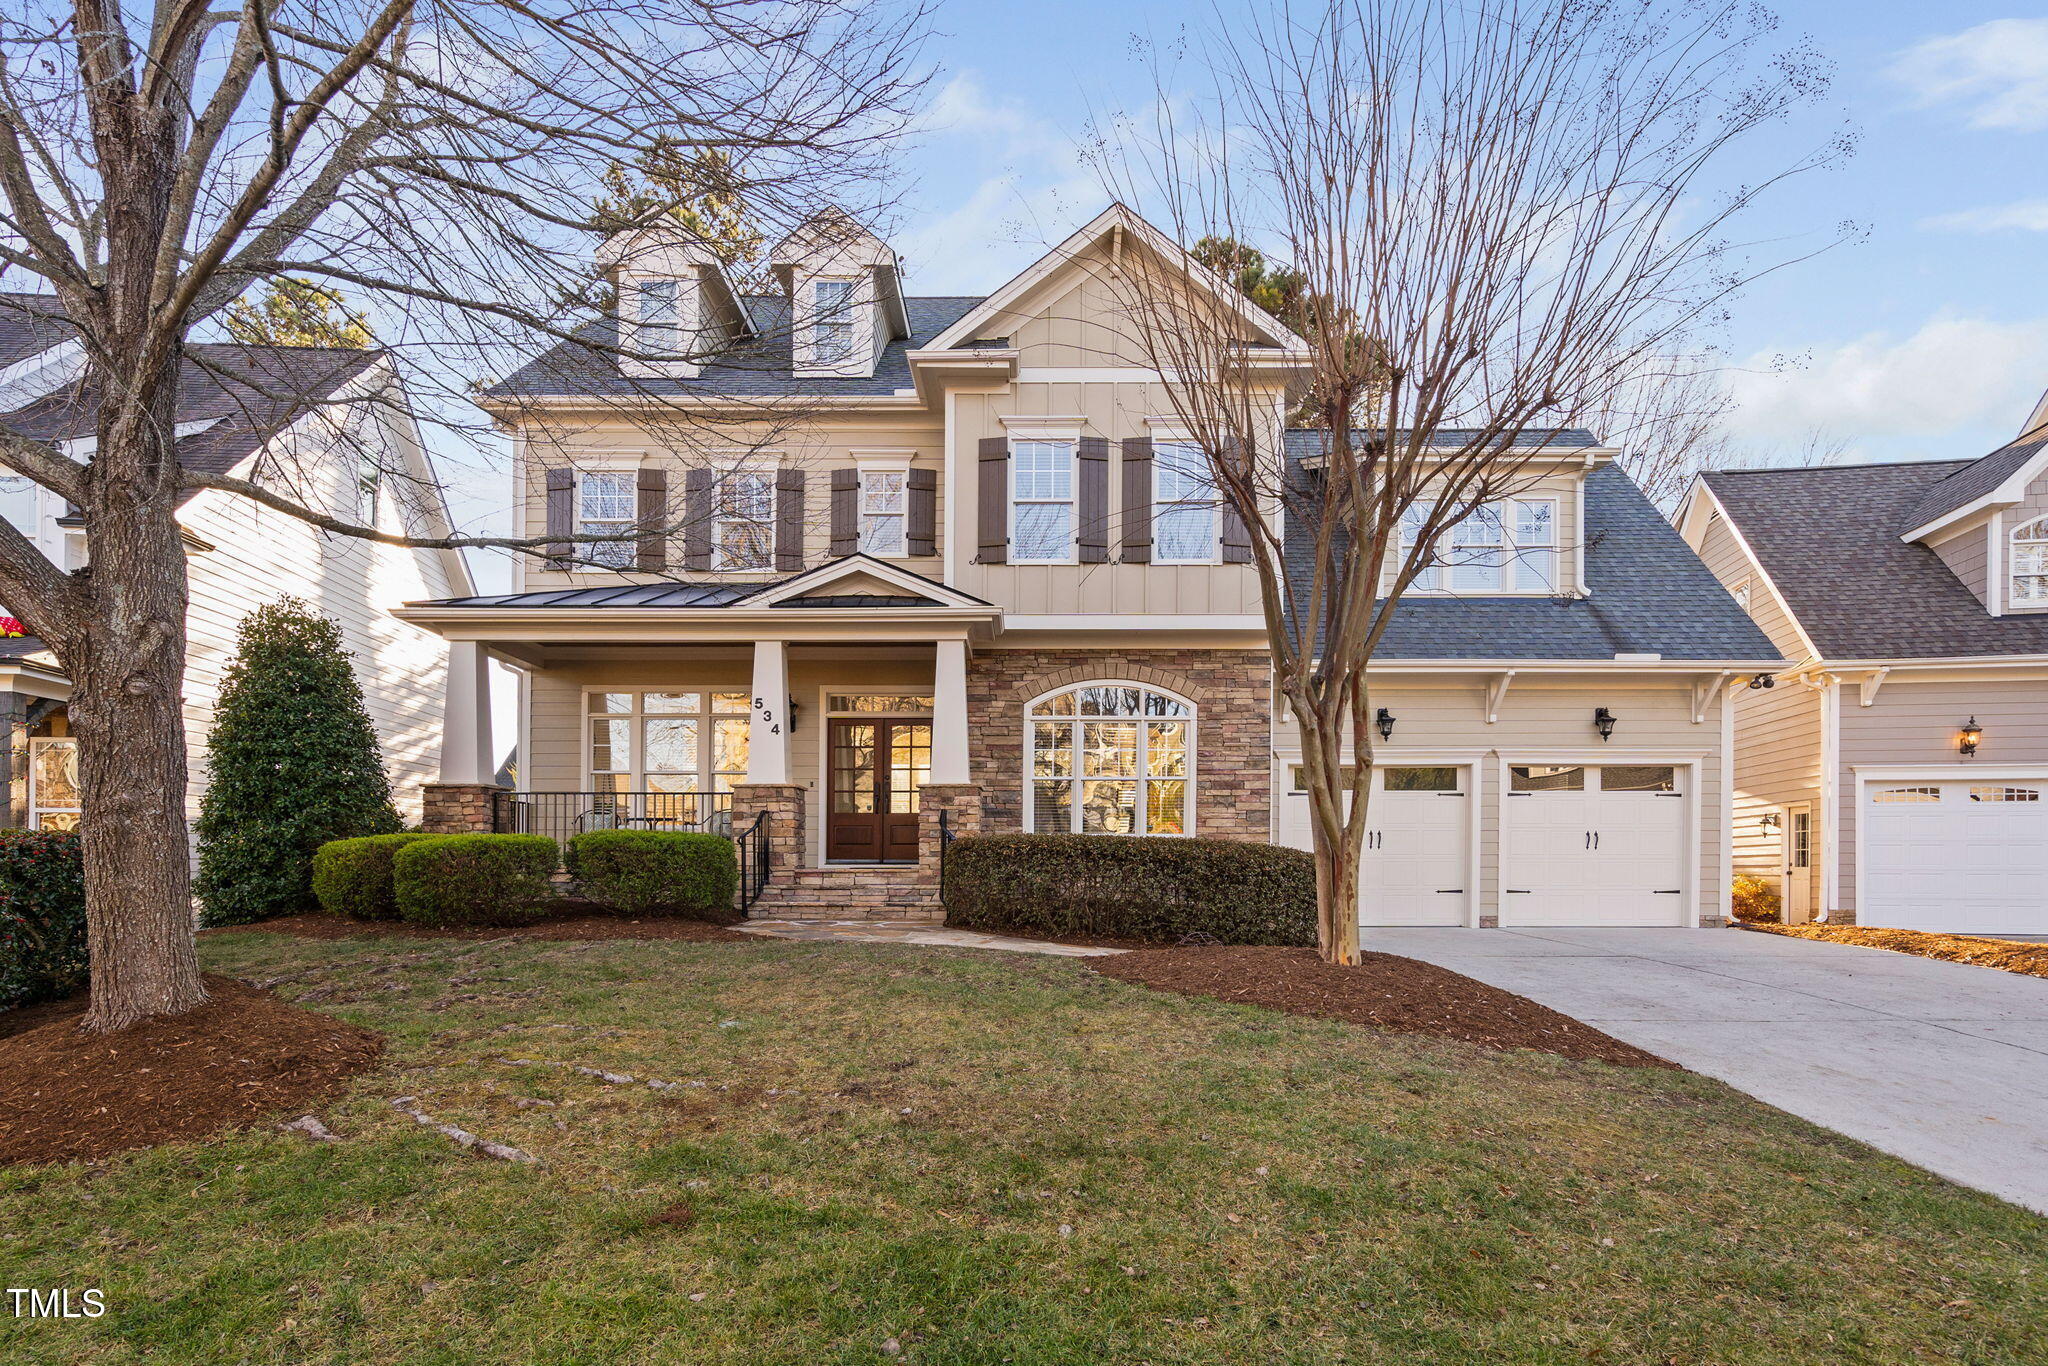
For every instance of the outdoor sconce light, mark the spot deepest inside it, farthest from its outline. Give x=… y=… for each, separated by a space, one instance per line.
x=792 y=715
x=1769 y=820
x=1603 y=721
x=1386 y=723
x=1764 y=681
x=1971 y=736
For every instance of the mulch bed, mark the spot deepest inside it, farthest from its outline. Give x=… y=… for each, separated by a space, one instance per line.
x=317 y=926
x=1386 y=990
x=2007 y=955
x=244 y=1056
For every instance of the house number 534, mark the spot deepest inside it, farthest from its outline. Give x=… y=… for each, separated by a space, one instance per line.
x=767 y=715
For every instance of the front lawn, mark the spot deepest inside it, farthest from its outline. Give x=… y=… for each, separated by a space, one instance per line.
x=944 y=1156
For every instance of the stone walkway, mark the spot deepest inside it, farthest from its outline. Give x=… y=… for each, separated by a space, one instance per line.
x=898 y=932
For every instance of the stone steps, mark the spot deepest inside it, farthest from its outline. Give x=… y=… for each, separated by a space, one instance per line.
x=863 y=893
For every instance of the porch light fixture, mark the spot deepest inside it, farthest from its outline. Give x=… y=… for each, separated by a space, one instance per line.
x=1770 y=820
x=793 y=709
x=1603 y=721
x=1764 y=681
x=1386 y=723
x=1971 y=736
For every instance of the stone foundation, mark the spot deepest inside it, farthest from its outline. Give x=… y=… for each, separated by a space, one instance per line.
x=458 y=808
x=784 y=805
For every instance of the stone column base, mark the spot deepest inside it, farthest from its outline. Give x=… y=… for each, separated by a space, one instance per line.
x=962 y=804
x=784 y=804
x=458 y=808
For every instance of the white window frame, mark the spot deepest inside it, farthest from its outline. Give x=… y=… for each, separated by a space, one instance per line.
x=1161 y=503
x=654 y=335
x=721 y=518
x=835 y=319
x=707 y=776
x=593 y=555
x=37 y=808
x=2027 y=561
x=1188 y=779
x=1071 y=502
x=1432 y=579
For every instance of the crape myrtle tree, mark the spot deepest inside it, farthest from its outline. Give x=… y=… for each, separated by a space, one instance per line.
x=1495 y=221
x=436 y=162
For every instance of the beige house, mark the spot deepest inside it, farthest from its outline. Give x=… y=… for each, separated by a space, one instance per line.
x=953 y=555
x=1897 y=774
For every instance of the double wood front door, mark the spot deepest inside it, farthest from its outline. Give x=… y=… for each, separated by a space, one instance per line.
x=873 y=771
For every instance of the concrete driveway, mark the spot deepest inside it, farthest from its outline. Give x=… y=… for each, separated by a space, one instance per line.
x=1943 y=1064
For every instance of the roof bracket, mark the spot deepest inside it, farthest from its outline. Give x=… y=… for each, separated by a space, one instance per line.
x=1866 y=692
x=1703 y=697
x=1495 y=692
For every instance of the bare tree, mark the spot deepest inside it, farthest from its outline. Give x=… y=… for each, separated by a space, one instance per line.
x=434 y=160
x=1496 y=217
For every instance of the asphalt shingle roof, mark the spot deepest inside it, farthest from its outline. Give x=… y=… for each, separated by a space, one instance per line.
x=30 y=323
x=1829 y=539
x=1650 y=594
x=1971 y=482
x=581 y=368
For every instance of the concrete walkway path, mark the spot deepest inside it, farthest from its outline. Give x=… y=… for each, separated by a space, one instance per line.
x=893 y=932
x=1943 y=1064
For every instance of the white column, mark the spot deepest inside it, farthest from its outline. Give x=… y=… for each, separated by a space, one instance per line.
x=768 y=733
x=467 y=755
x=949 y=712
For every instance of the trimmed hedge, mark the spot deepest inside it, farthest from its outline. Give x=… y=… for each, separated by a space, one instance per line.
x=474 y=879
x=353 y=877
x=643 y=872
x=1141 y=887
x=42 y=916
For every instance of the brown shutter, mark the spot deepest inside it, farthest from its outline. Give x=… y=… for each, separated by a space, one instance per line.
x=1237 y=544
x=921 y=490
x=650 y=556
x=845 y=511
x=561 y=486
x=1137 y=500
x=993 y=500
x=1092 y=535
x=789 y=520
x=697 y=514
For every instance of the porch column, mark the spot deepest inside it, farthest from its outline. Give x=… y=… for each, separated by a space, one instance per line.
x=949 y=713
x=768 y=731
x=466 y=752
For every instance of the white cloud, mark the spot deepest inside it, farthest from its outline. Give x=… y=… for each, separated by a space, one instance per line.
x=1997 y=70
x=2027 y=215
x=1946 y=383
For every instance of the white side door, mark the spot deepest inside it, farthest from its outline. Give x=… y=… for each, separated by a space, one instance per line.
x=1795 y=835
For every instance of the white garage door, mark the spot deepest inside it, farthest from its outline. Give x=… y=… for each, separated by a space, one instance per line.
x=1594 y=845
x=1966 y=856
x=1417 y=844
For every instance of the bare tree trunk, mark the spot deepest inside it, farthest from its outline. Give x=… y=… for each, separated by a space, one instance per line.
x=1337 y=830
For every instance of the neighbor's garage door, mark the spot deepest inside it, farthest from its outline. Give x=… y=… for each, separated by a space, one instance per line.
x=1417 y=844
x=1594 y=845
x=1962 y=856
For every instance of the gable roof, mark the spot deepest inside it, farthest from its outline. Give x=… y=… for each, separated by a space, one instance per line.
x=1650 y=594
x=810 y=588
x=1976 y=479
x=1829 y=537
x=30 y=323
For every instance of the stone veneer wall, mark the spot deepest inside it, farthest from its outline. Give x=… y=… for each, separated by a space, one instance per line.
x=457 y=808
x=1232 y=693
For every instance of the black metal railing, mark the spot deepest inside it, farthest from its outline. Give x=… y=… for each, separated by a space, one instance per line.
x=945 y=847
x=559 y=815
x=751 y=844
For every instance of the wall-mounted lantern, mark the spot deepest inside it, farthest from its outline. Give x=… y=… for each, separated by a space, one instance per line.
x=792 y=715
x=1969 y=737
x=1603 y=721
x=1770 y=820
x=1386 y=724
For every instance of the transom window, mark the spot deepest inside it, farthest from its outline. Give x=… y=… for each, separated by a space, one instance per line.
x=1505 y=547
x=667 y=742
x=1041 y=502
x=605 y=507
x=1906 y=794
x=744 y=533
x=1183 y=505
x=881 y=512
x=657 y=317
x=1109 y=759
x=2005 y=794
x=832 y=330
x=2030 y=562
x=879 y=703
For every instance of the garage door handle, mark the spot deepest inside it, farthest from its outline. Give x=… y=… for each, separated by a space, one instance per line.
x=1518 y=891
x=1669 y=891
x=1450 y=891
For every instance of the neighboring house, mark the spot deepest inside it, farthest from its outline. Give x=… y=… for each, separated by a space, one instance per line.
x=954 y=555
x=1898 y=773
x=306 y=419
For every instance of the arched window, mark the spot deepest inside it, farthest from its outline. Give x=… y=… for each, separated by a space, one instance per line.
x=1109 y=759
x=2030 y=562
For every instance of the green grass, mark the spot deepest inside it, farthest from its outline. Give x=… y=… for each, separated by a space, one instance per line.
x=990 y=1159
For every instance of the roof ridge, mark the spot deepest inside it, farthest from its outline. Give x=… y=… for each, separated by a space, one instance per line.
x=1860 y=465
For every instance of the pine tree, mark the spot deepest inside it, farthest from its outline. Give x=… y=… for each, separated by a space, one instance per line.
x=294 y=762
x=296 y=312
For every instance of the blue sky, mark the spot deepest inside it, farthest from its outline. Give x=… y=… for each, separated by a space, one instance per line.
x=1926 y=339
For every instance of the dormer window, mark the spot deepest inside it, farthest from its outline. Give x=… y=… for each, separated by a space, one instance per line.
x=832 y=328
x=2030 y=563
x=1505 y=547
x=658 y=317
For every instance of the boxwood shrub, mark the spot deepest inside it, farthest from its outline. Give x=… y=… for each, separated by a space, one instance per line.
x=646 y=872
x=42 y=916
x=1143 y=887
x=353 y=877
x=474 y=879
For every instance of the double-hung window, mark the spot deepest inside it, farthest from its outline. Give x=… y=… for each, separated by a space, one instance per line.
x=832 y=322
x=881 y=512
x=744 y=534
x=657 y=317
x=1041 y=502
x=2030 y=563
x=1183 y=505
x=1504 y=547
x=605 y=507
x=668 y=746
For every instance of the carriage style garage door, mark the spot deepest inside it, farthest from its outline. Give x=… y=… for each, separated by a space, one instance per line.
x=1965 y=855
x=1417 y=868
x=1594 y=845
